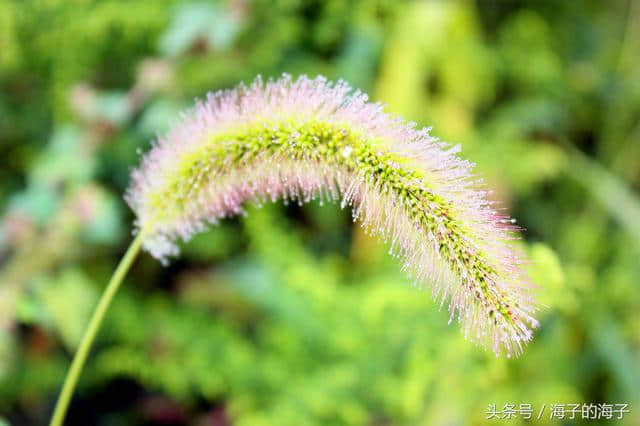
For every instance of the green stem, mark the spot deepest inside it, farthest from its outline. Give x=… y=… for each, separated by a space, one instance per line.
x=92 y=330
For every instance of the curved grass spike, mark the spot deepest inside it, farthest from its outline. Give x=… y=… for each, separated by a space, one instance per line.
x=309 y=138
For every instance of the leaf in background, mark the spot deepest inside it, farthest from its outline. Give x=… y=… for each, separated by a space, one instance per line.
x=216 y=244
x=199 y=22
x=613 y=193
x=424 y=79
x=616 y=352
x=546 y=271
x=526 y=47
x=10 y=50
x=7 y=354
x=157 y=116
x=114 y=107
x=103 y=222
x=67 y=158
x=37 y=202
x=361 y=52
x=67 y=301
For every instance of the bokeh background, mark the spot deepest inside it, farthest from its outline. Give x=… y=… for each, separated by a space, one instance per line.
x=291 y=315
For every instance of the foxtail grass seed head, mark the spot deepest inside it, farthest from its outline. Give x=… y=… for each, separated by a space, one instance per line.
x=307 y=139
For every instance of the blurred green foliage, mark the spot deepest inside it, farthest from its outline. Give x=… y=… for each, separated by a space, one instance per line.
x=291 y=315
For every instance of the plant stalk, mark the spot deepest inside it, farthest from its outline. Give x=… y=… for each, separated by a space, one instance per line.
x=92 y=330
